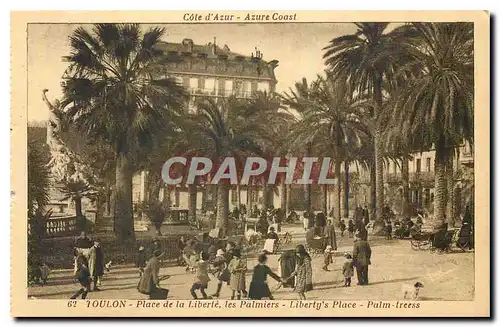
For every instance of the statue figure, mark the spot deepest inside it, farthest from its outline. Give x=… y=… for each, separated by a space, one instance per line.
x=64 y=164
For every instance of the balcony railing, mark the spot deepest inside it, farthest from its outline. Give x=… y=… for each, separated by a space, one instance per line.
x=220 y=93
x=423 y=176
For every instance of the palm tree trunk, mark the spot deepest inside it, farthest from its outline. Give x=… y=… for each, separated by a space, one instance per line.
x=373 y=190
x=288 y=198
x=379 y=170
x=405 y=176
x=439 y=190
x=238 y=196
x=166 y=196
x=338 y=188
x=192 y=194
x=346 y=190
x=307 y=198
x=265 y=197
x=283 y=196
x=78 y=206
x=222 y=208
x=123 y=212
x=250 y=199
x=450 y=215
x=379 y=163
x=107 y=210
x=324 y=204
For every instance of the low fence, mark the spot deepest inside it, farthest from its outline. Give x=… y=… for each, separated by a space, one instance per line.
x=58 y=253
x=58 y=227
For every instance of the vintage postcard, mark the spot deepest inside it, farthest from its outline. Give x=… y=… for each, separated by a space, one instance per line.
x=250 y=164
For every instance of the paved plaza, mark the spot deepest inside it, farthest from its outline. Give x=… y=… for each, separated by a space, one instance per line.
x=448 y=276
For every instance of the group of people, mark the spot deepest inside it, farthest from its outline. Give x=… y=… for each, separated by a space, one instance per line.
x=228 y=266
x=88 y=265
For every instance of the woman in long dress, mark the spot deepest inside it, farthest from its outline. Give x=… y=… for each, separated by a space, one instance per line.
x=237 y=268
x=303 y=272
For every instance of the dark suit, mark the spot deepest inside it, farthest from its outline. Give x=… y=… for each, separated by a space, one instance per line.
x=361 y=256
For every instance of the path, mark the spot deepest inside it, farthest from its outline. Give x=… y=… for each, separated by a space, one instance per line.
x=445 y=276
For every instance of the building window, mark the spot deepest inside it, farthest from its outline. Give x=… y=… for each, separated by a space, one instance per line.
x=419 y=165
x=193 y=83
x=253 y=87
x=221 y=85
x=237 y=87
x=428 y=164
x=229 y=87
x=201 y=83
x=210 y=84
x=263 y=86
x=244 y=88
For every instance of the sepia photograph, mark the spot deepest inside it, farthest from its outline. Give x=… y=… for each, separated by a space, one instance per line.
x=255 y=159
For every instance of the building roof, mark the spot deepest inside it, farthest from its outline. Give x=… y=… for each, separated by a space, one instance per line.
x=210 y=58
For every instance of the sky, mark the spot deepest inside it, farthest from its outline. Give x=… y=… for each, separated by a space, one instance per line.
x=297 y=47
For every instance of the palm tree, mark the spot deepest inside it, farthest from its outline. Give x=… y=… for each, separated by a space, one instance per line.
x=219 y=132
x=439 y=102
x=116 y=92
x=262 y=111
x=38 y=179
x=332 y=121
x=369 y=59
x=76 y=191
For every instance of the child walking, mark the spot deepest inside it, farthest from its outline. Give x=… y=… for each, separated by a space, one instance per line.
x=388 y=230
x=342 y=227
x=83 y=277
x=328 y=257
x=220 y=271
x=350 y=228
x=201 y=278
x=237 y=268
x=347 y=270
x=140 y=262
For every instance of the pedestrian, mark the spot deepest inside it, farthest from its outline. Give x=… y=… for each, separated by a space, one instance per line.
x=366 y=216
x=303 y=271
x=259 y=288
x=83 y=277
x=328 y=257
x=82 y=246
x=347 y=270
x=181 y=244
x=305 y=220
x=140 y=261
x=320 y=222
x=190 y=256
x=96 y=264
x=350 y=228
x=388 y=229
x=288 y=263
x=149 y=282
x=237 y=268
x=361 y=256
x=342 y=227
x=201 y=279
x=329 y=233
x=220 y=270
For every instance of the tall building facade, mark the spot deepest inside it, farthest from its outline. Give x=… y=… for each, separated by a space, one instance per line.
x=421 y=181
x=210 y=71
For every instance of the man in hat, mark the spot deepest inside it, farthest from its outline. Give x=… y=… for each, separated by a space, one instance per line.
x=361 y=256
x=96 y=264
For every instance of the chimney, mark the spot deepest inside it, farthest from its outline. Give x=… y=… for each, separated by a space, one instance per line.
x=214 y=46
